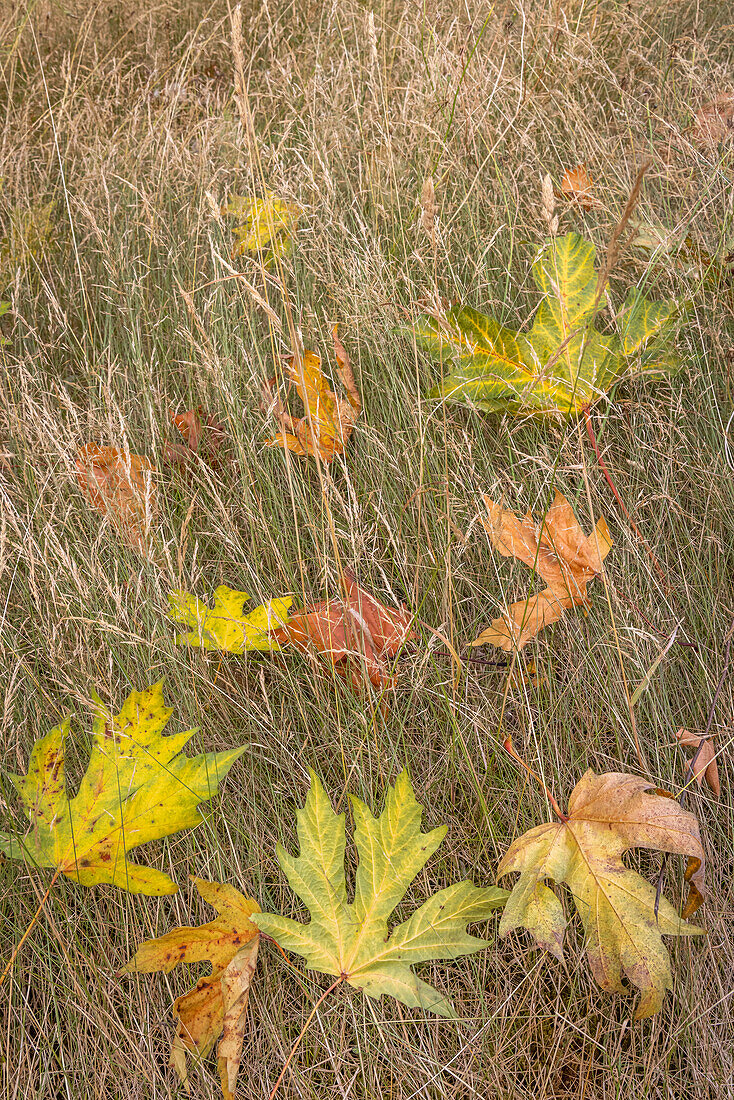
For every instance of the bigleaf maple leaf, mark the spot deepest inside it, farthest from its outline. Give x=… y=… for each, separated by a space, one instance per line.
x=225 y=626
x=560 y=552
x=138 y=786
x=360 y=635
x=217 y=1004
x=351 y=940
x=563 y=364
x=607 y=815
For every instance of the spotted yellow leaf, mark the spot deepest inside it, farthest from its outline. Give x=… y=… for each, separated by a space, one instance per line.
x=138 y=786
x=217 y=1004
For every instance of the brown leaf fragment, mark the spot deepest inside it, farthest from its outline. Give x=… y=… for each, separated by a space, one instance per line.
x=202 y=435
x=577 y=186
x=235 y=982
x=120 y=485
x=358 y=634
x=706 y=766
x=329 y=420
x=714 y=123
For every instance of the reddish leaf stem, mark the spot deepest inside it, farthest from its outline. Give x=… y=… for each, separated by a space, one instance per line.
x=28 y=930
x=297 y=1043
x=605 y=470
x=510 y=748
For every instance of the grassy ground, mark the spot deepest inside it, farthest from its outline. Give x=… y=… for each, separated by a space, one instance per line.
x=123 y=116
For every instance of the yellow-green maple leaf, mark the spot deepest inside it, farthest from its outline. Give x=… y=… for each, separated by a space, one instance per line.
x=224 y=626
x=138 y=786
x=30 y=234
x=563 y=363
x=351 y=940
x=623 y=920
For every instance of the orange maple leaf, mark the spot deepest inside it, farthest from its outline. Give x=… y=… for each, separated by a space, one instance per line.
x=577 y=186
x=119 y=485
x=560 y=552
x=357 y=633
x=329 y=420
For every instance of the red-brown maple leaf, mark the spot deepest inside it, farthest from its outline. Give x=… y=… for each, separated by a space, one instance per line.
x=357 y=633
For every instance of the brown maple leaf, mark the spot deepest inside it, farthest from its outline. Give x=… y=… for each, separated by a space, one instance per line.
x=560 y=552
x=217 y=1004
x=119 y=485
x=714 y=123
x=706 y=766
x=358 y=634
x=202 y=435
x=328 y=424
x=577 y=186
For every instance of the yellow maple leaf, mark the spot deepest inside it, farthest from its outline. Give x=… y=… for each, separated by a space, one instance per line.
x=224 y=626
x=622 y=917
x=267 y=226
x=138 y=786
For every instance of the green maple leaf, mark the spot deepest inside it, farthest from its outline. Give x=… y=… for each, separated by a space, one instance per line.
x=351 y=940
x=563 y=363
x=138 y=787
x=224 y=626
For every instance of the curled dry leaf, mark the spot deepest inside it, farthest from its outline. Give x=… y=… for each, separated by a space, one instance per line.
x=329 y=420
x=608 y=814
x=560 y=552
x=714 y=123
x=578 y=186
x=120 y=485
x=202 y=435
x=217 y=1004
x=358 y=634
x=706 y=766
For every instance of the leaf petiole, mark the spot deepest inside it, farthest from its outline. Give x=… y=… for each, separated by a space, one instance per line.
x=302 y=1032
x=510 y=748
